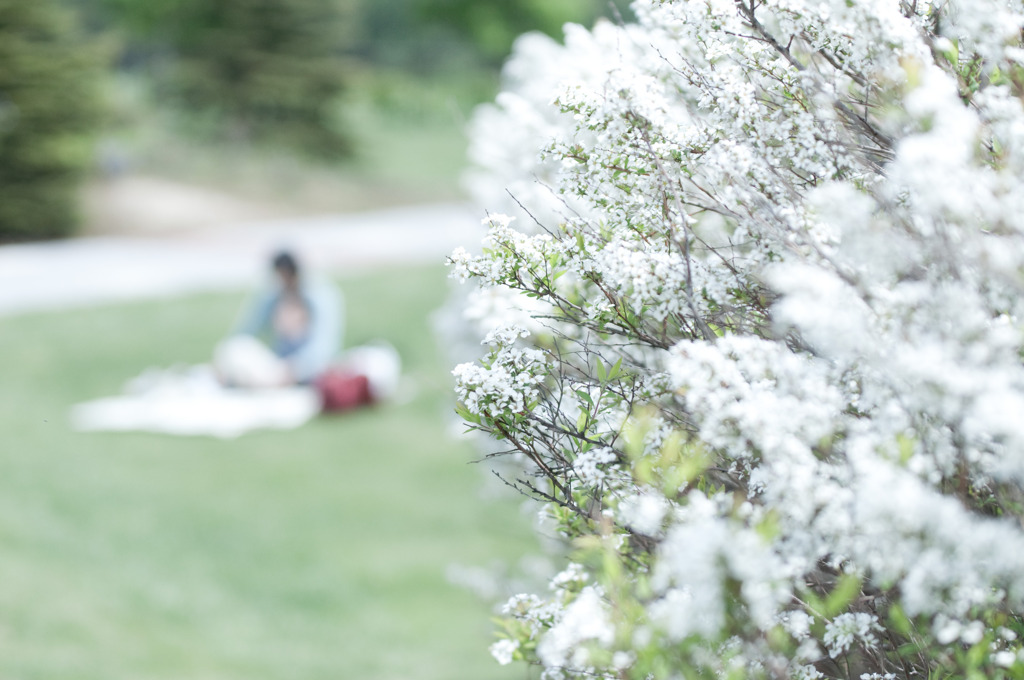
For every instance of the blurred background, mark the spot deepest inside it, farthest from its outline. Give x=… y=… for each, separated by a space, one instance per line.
x=246 y=108
x=142 y=139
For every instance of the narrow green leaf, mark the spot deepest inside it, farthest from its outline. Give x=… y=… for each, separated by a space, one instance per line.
x=614 y=372
x=842 y=595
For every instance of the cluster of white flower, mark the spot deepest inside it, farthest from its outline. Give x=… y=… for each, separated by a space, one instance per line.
x=584 y=619
x=848 y=628
x=760 y=336
x=504 y=650
x=508 y=382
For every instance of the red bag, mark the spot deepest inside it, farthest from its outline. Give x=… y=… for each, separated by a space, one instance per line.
x=342 y=390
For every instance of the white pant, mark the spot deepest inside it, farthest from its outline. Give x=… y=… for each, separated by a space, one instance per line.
x=244 y=361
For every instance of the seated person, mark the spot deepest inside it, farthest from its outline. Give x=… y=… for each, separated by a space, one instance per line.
x=299 y=317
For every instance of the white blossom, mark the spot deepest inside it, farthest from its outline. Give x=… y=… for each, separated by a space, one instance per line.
x=502 y=651
x=753 y=325
x=585 y=619
x=849 y=629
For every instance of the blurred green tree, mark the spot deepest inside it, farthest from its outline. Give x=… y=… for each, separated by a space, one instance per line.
x=402 y=34
x=49 y=110
x=492 y=25
x=268 y=70
x=274 y=68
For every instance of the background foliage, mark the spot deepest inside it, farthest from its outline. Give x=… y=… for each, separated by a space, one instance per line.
x=309 y=82
x=49 y=110
x=270 y=70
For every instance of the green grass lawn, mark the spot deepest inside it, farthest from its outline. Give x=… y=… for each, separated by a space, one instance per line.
x=316 y=553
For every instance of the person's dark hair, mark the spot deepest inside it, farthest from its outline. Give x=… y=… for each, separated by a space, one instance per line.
x=285 y=263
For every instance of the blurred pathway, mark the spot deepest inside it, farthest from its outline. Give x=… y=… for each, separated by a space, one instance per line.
x=91 y=270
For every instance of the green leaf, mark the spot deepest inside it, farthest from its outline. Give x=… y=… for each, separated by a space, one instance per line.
x=466 y=414
x=906 y=447
x=614 y=372
x=899 y=621
x=842 y=595
x=768 y=528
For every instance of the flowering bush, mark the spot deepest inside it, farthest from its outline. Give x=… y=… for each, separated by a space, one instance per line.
x=754 y=302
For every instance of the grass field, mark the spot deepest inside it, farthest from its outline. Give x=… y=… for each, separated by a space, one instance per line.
x=317 y=553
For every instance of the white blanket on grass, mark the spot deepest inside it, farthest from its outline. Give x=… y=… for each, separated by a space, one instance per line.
x=191 y=401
